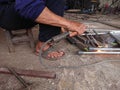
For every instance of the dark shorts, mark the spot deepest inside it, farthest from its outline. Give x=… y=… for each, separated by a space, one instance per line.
x=11 y=20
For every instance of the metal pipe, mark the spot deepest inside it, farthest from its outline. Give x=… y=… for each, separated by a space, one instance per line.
x=93 y=53
x=104 y=49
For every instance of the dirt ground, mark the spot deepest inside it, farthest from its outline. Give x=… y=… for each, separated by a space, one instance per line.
x=101 y=76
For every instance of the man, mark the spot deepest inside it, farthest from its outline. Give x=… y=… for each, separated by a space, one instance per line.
x=19 y=14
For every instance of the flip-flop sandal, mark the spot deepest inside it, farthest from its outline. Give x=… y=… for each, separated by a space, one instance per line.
x=37 y=51
x=45 y=55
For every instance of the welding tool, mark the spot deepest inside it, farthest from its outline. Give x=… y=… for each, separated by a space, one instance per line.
x=60 y=37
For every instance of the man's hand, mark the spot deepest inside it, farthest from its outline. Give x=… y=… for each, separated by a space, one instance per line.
x=76 y=28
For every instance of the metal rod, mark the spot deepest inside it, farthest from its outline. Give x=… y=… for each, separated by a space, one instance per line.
x=106 y=49
x=21 y=80
x=93 y=53
x=95 y=41
x=30 y=73
x=76 y=42
x=100 y=37
x=92 y=43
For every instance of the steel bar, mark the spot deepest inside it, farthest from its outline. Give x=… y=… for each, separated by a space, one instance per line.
x=95 y=41
x=91 y=41
x=100 y=37
x=31 y=73
x=104 y=49
x=94 y=53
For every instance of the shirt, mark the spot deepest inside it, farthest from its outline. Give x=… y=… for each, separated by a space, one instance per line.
x=29 y=9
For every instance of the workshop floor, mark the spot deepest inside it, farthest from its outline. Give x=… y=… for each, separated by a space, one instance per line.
x=101 y=76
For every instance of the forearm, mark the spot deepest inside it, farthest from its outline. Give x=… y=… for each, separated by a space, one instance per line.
x=48 y=17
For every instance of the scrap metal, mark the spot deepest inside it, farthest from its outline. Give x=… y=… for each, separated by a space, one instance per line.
x=95 y=43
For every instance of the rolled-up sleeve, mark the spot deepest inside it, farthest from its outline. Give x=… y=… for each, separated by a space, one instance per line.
x=30 y=9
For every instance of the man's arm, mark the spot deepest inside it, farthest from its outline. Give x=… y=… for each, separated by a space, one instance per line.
x=48 y=17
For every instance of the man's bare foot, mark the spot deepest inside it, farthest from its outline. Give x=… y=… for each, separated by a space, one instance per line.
x=54 y=54
x=38 y=46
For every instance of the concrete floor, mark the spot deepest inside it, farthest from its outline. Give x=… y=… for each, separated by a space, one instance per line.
x=102 y=76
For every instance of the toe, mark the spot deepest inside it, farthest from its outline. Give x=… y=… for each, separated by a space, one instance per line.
x=56 y=54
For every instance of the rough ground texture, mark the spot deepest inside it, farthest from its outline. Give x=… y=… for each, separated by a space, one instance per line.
x=98 y=76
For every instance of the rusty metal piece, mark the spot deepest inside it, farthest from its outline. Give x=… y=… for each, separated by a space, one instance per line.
x=79 y=44
x=31 y=73
x=82 y=39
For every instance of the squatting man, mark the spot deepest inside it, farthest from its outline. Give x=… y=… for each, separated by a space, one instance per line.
x=21 y=14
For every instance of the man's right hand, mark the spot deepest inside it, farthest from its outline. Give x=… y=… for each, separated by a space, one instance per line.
x=76 y=28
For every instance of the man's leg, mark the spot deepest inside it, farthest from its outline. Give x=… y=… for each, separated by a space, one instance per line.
x=47 y=31
x=11 y=20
